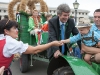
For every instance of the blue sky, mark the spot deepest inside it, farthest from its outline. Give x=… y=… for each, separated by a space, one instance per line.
x=90 y=5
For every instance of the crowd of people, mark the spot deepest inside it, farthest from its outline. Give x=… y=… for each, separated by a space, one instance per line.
x=59 y=29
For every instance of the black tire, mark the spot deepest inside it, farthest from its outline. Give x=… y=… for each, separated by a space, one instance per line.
x=24 y=63
x=64 y=71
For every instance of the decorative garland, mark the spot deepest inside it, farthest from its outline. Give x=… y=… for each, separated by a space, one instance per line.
x=43 y=6
x=22 y=6
x=18 y=7
x=24 y=13
x=10 y=9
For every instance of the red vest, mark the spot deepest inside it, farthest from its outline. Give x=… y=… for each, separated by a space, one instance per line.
x=4 y=61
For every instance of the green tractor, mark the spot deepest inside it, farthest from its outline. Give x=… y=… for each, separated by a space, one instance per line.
x=76 y=66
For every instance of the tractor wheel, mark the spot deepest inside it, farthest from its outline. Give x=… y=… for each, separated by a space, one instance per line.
x=64 y=71
x=24 y=63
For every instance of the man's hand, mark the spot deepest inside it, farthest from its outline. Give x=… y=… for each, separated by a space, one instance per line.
x=90 y=50
x=57 y=43
x=57 y=53
x=2 y=70
x=82 y=52
x=98 y=45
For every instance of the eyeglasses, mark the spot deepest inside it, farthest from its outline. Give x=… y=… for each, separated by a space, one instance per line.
x=7 y=22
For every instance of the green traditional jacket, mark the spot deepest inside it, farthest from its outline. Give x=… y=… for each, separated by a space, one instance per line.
x=31 y=24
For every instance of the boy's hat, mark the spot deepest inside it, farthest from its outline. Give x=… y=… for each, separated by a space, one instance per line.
x=83 y=22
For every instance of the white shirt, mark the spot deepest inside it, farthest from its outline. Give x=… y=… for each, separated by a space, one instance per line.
x=61 y=22
x=12 y=46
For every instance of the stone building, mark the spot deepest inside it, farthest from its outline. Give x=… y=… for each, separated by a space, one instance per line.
x=52 y=10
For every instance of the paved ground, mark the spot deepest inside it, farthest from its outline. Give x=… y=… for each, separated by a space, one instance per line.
x=39 y=68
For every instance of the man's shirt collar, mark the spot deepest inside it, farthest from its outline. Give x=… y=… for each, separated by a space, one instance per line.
x=61 y=22
x=95 y=27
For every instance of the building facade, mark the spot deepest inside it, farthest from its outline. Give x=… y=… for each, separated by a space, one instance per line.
x=52 y=10
x=3 y=9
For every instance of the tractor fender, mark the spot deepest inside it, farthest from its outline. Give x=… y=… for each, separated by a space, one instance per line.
x=79 y=66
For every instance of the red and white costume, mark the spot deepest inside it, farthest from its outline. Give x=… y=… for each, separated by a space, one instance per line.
x=8 y=47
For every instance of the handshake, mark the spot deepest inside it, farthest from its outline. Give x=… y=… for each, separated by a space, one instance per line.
x=60 y=43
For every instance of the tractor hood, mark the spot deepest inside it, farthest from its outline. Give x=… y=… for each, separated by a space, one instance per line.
x=79 y=66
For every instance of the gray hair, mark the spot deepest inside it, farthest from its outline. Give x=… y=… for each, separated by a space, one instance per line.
x=63 y=8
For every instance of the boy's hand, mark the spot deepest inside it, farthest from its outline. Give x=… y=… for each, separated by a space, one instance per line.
x=63 y=41
x=57 y=43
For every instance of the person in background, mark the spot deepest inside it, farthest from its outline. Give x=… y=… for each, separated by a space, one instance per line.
x=28 y=12
x=9 y=45
x=73 y=18
x=6 y=17
x=35 y=24
x=45 y=25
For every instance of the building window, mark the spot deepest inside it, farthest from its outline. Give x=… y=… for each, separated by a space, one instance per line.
x=79 y=13
x=4 y=10
x=72 y=12
x=82 y=13
x=54 y=11
x=0 y=10
x=50 y=11
x=86 y=13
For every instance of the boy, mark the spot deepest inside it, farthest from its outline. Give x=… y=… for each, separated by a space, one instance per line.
x=88 y=37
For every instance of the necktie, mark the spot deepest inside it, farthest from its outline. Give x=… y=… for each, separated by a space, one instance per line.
x=62 y=36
